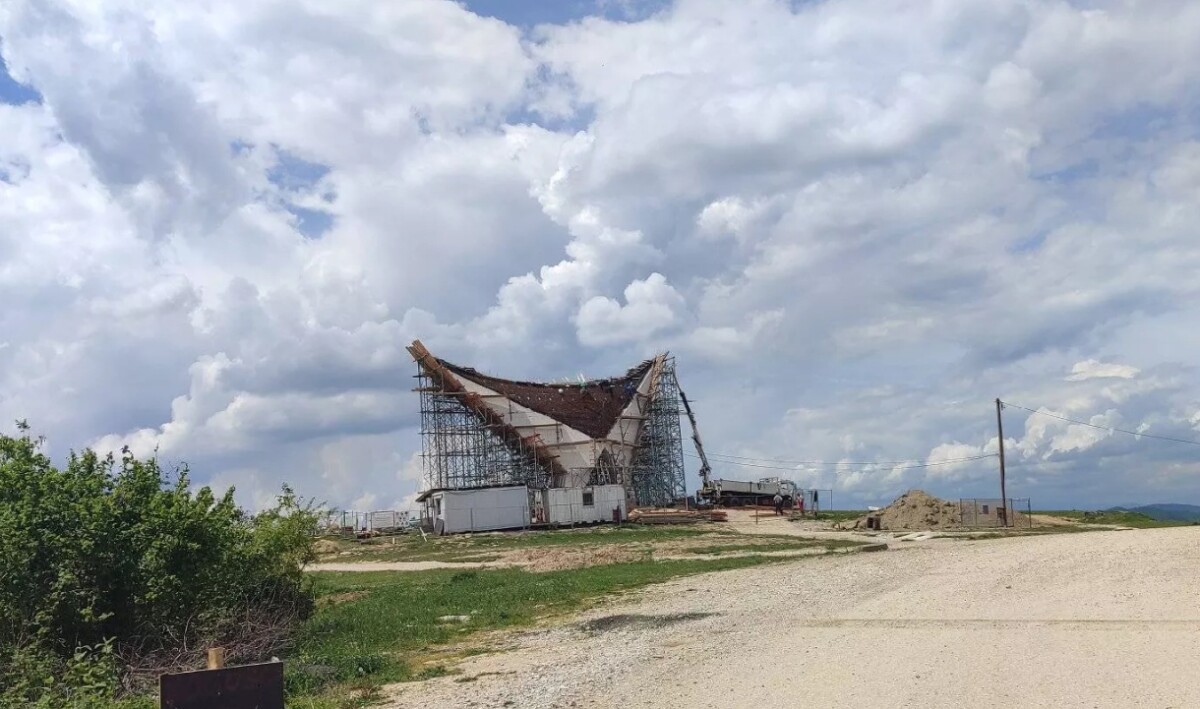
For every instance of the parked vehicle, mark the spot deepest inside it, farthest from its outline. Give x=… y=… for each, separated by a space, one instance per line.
x=731 y=493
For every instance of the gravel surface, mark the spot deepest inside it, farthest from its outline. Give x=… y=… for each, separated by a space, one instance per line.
x=1096 y=619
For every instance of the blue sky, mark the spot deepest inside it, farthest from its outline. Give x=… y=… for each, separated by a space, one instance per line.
x=855 y=224
x=11 y=91
x=529 y=13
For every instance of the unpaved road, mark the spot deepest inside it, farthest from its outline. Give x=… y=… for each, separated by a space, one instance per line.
x=1097 y=619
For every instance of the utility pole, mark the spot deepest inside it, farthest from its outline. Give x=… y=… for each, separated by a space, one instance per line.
x=1000 y=431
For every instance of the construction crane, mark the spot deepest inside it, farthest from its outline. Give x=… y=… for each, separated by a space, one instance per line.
x=732 y=492
x=705 y=469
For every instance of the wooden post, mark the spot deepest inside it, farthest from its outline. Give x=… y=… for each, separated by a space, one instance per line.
x=216 y=658
x=1000 y=431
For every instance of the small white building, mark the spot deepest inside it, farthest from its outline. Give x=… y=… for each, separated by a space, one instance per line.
x=477 y=509
x=516 y=507
x=583 y=505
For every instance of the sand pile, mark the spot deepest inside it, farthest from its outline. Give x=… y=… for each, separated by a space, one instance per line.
x=915 y=509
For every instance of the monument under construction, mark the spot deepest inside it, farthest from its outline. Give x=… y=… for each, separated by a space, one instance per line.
x=480 y=431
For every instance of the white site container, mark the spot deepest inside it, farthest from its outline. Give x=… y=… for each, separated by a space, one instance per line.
x=583 y=505
x=483 y=509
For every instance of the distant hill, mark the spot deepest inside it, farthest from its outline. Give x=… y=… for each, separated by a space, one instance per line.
x=1166 y=512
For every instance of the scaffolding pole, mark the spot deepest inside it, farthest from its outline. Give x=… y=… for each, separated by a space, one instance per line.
x=460 y=449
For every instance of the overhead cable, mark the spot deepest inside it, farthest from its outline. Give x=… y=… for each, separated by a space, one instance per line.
x=836 y=462
x=897 y=466
x=1102 y=428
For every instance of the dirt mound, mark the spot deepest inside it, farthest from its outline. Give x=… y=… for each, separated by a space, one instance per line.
x=915 y=509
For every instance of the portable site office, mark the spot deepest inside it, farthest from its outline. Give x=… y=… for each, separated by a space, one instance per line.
x=477 y=509
x=583 y=505
x=518 y=507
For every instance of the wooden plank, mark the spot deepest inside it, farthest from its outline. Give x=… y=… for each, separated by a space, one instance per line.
x=216 y=658
x=246 y=687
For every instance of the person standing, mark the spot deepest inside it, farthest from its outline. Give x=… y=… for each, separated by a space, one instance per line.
x=778 y=504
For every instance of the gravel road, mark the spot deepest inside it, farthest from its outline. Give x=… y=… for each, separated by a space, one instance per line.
x=1096 y=619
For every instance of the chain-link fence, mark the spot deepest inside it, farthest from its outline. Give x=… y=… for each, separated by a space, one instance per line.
x=813 y=501
x=992 y=512
x=352 y=523
x=454 y=520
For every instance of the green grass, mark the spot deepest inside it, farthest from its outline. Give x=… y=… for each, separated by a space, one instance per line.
x=389 y=623
x=1123 y=519
x=488 y=547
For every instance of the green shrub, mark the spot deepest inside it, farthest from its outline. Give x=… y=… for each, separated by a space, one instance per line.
x=111 y=571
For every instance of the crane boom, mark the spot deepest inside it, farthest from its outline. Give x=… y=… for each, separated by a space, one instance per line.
x=705 y=469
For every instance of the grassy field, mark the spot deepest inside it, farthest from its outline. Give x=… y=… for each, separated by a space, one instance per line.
x=1121 y=518
x=373 y=628
x=377 y=627
x=489 y=546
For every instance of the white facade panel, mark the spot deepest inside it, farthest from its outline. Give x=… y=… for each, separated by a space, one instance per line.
x=567 y=505
x=479 y=510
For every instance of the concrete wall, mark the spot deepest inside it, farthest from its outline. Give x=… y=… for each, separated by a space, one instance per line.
x=565 y=505
x=479 y=510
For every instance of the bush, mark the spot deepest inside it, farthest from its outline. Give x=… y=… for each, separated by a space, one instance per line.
x=111 y=573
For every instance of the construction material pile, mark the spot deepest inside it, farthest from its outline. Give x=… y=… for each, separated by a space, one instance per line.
x=675 y=516
x=915 y=509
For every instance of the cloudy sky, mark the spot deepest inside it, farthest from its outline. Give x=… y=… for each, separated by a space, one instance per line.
x=855 y=222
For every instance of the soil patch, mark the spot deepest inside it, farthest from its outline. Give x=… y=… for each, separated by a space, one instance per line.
x=634 y=621
x=345 y=597
x=325 y=546
x=559 y=558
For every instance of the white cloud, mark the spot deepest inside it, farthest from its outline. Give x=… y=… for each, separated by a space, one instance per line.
x=651 y=305
x=730 y=216
x=946 y=462
x=852 y=257
x=1093 y=369
x=1077 y=437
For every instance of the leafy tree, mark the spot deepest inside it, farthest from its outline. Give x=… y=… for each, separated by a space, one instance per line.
x=112 y=571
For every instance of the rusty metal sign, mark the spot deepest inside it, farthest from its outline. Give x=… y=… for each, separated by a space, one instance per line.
x=246 y=687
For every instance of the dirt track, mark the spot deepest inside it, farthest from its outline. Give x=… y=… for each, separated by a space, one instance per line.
x=1098 y=619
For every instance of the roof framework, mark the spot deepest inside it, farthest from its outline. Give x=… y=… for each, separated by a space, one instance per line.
x=478 y=430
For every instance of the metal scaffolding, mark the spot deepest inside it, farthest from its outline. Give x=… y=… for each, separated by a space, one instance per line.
x=657 y=475
x=461 y=449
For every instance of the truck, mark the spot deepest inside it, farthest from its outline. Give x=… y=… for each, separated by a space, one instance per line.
x=730 y=493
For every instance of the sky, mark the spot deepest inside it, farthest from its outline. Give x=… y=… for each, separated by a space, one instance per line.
x=855 y=223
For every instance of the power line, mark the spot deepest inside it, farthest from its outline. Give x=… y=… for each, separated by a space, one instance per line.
x=1102 y=428
x=829 y=462
x=898 y=466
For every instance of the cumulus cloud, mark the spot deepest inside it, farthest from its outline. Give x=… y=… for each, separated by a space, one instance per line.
x=651 y=305
x=220 y=224
x=1092 y=369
